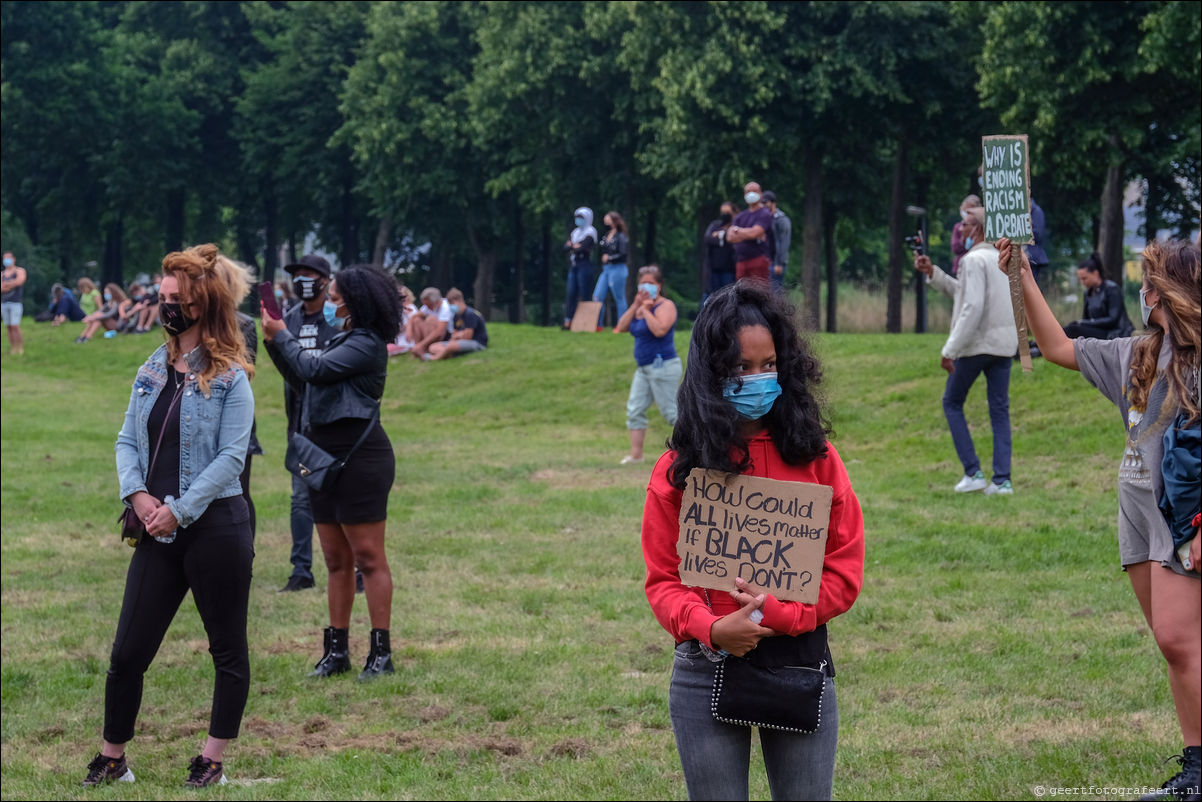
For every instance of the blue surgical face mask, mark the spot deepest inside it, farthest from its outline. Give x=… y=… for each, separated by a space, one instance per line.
x=650 y=289
x=108 y=296
x=279 y=294
x=755 y=398
x=579 y=222
x=330 y=310
x=752 y=197
x=454 y=309
x=968 y=242
x=1144 y=310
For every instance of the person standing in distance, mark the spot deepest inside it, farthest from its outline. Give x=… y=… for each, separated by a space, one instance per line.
x=10 y=302
x=982 y=340
x=751 y=235
x=782 y=236
x=306 y=322
x=718 y=269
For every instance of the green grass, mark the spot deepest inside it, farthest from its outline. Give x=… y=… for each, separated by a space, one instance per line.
x=996 y=645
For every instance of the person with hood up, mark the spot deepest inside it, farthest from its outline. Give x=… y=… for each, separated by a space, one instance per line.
x=580 y=262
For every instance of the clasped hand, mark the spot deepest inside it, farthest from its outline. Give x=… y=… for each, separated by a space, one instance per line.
x=156 y=516
x=736 y=632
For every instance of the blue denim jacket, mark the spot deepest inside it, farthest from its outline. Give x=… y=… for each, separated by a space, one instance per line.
x=214 y=433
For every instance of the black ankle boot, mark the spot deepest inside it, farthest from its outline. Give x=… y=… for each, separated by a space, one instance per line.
x=379 y=659
x=336 y=659
x=1184 y=784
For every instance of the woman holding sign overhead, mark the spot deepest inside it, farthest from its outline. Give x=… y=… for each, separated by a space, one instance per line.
x=747 y=407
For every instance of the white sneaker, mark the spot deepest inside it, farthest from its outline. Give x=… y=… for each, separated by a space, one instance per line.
x=629 y=460
x=1004 y=489
x=970 y=484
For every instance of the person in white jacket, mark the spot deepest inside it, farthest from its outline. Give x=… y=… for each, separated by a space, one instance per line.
x=982 y=340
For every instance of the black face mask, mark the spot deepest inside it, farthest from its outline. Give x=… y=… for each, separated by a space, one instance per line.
x=726 y=217
x=306 y=287
x=174 y=319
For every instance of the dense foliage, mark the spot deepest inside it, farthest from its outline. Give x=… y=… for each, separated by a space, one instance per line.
x=451 y=140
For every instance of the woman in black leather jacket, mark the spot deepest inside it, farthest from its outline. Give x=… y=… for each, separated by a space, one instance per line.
x=344 y=383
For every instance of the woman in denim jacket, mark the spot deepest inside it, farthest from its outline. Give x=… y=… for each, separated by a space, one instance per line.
x=179 y=456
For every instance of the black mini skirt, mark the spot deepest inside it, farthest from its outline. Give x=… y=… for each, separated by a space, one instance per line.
x=360 y=495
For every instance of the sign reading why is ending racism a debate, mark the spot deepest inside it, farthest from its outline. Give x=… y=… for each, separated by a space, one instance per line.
x=771 y=533
x=1006 y=182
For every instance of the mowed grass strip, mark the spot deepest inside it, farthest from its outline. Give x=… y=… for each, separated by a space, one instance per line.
x=996 y=645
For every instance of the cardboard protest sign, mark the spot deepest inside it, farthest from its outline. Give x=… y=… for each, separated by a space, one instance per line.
x=1006 y=182
x=771 y=533
x=587 y=314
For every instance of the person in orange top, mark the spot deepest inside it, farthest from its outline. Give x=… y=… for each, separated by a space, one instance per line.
x=746 y=406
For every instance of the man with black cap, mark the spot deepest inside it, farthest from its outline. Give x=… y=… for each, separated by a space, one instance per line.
x=306 y=321
x=782 y=235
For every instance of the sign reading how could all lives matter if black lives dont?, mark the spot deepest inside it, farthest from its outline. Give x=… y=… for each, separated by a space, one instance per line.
x=771 y=533
x=1006 y=181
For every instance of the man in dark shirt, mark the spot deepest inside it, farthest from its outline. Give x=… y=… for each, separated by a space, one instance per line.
x=469 y=333
x=751 y=234
x=305 y=320
x=1105 y=316
x=782 y=237
x=719 y=254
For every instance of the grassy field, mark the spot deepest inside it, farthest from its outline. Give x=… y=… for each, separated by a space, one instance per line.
x=996 y=646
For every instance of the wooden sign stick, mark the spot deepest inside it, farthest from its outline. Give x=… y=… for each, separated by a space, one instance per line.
x=1013 y=270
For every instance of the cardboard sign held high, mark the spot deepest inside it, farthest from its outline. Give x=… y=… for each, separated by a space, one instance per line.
x=1006 y=182
x=771 y=533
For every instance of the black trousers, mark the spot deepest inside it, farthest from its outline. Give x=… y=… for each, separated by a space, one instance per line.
x=1075 y=330
x=215 y=564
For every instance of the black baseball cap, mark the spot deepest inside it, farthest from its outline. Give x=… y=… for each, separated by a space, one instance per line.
x=768 y=195
x=311 y=261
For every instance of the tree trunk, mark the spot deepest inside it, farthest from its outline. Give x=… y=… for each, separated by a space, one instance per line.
x=705 y=274
x=1110 y=229
x=175 y=219
x=811 y=251
x=897 y=221
x=440 y=268
x=832 y=268
x=114 y=270
x=649 y=240
x=546 y=273
x=486 y=268
x=1151 y=212
x=271 y=255
x=348 y=225
x=517 y=309
x=383 y=236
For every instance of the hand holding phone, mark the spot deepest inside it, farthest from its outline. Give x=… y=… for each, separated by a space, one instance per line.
x=268 y=301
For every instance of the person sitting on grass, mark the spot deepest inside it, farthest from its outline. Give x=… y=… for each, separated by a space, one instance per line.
x=65 y=307
x=469 y=333
x=127 y=316
x=148 y=308
x=431 y=324
x=1104 y=315
x=106 y=317
x=402 y=344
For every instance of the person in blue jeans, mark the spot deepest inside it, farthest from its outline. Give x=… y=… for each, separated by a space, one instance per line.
x=614 y=249
x=579 y=248
x=982 y=340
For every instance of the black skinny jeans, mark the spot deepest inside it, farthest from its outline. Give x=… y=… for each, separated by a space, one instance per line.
x=215 y=564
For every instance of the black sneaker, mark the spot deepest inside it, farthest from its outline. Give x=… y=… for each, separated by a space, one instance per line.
x=104 y=770
x=204 y=772
x=297 y=583
x=1184 y=785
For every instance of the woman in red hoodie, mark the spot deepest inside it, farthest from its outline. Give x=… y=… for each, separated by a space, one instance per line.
x=747 y=406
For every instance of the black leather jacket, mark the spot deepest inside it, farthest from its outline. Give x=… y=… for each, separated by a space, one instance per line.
x=345 y=380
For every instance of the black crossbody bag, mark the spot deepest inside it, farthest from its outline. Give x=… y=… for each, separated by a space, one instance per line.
x=778 y=685
x=312 y=464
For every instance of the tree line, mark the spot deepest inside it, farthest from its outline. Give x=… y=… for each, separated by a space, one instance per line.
x=451 y=140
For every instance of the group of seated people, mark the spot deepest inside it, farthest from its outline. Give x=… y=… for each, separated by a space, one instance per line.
x=134 y=313
x=440 y=328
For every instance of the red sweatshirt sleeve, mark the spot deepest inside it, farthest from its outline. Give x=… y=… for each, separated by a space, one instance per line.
x=679 y=609
x=843 y=566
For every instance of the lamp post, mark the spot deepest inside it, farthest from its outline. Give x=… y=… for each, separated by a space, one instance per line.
x=920 y=285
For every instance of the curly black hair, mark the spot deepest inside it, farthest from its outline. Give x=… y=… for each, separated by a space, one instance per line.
x=707 y=432
x=371 y=299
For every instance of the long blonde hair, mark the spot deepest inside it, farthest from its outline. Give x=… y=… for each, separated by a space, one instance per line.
x=214 y=286
x=1173 y=270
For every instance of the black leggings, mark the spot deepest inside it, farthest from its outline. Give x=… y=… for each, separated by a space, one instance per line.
x=215 y=564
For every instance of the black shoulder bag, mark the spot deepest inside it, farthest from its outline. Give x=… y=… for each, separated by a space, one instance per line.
x=312 y=464
x=779 y=685
x=132 y=527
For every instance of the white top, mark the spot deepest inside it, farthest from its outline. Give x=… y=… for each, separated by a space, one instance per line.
x=982 y=314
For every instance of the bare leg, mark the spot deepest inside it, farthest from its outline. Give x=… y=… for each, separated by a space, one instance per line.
x=1177 y=626
x=340 y=561
x=367 y=543
x=215 y=748
x=637 y=436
